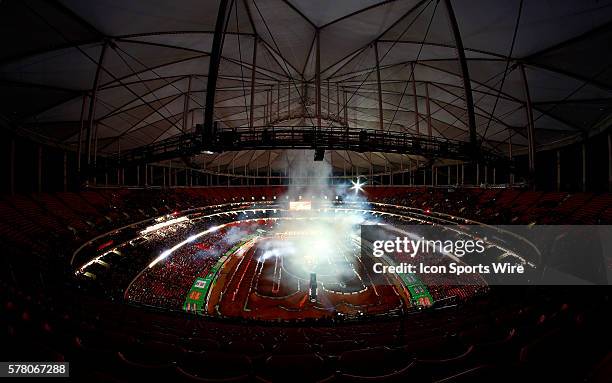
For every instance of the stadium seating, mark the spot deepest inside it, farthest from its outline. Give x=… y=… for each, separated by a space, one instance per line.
x=507 y=335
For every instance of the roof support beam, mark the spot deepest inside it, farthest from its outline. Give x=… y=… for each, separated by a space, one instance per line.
x=319 y=154
x=380 y=101
x=133 y=128
x=328 y=101
x=288 y=100
x=416 y=101
x=355 y=53
x=467 y=87
x=92 y=104
x=318 y=77
x=530 y=127
x=265 y=109
x=254 y=64
x=268 y=114
x=213 y=69
x=81 y=126
x=427 y=110
x=338 y=101
x=345 y=99
x=296 y=10
x=278 y=99
x=186 y=105
x=609 y=162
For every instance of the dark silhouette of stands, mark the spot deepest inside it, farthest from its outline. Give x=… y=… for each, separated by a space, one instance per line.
x=512 y=334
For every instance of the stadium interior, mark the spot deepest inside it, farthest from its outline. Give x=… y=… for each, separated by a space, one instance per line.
x=196 y=191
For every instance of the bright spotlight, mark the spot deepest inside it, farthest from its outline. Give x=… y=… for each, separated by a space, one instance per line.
x=357 y=185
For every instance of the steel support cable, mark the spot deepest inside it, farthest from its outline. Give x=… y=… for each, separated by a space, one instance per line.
x=456 y=97
x=441 y=108
x=361 y=60
x=480 y=85
x=441 y=105
x=543 y=112
x=503 y=80
x=227 y=19
x=152 y=93
x=347 y=58
x=269 y=94
x=132 y=128
x=412 y=67
x=386 y=53
x=244 y=96
x=171 y=83
x=572 y=93
x=285 y=63
x=88 y=56
x=213 y=68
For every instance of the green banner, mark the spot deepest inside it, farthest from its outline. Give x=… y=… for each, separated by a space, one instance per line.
x=196 y=298
x=419 y=293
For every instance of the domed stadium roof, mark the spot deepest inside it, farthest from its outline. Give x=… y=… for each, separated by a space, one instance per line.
x=152 y=59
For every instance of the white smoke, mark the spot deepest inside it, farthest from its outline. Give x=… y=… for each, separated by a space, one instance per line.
x=317 y=239
x=324 y=239
x=235 y=234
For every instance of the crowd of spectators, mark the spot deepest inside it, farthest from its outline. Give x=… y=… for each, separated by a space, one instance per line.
x=518 y=334
x=168 y=284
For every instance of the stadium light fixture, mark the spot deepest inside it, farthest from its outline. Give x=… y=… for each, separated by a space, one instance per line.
x=357 y=186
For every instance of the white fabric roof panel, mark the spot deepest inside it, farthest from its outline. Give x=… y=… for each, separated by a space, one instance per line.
x=51 y=53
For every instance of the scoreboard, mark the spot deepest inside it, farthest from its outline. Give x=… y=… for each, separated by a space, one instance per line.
x=300 y=205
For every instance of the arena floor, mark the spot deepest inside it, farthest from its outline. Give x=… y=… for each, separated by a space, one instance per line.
x=253 y=284
x=264 y=262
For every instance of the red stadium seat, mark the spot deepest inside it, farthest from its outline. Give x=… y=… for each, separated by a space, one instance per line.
x=292 y=348
x=424 y=369
x=201 y=344
x=249 y=348
x=216 y=366
x=338 y=347
x=372 y=361
x=295 y=368
x=144 y=366
x=601 y=372
x=481 y=374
